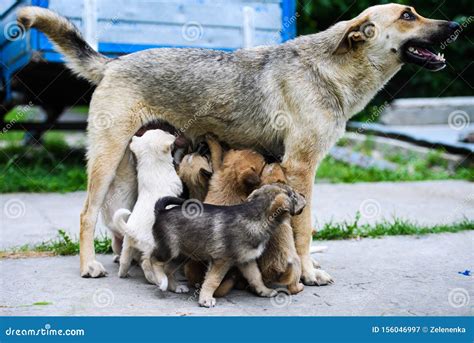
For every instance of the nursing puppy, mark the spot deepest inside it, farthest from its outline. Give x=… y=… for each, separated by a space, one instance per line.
x=157 y=178
x=225 y=236
x=123 y=190
x=195 y=171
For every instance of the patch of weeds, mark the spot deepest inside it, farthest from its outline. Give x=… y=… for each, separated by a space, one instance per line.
x=63 y=245
x=415 y=169
x=397 y=227
x=51 y=167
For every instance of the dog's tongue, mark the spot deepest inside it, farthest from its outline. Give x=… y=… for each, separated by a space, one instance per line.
x=426 y=53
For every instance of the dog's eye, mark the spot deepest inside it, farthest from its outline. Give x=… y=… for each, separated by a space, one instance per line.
x=407 y=16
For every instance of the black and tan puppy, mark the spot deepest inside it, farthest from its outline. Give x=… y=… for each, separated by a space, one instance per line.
x=225 y=236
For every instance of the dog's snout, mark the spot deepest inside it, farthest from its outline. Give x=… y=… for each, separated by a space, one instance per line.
x=453 y=26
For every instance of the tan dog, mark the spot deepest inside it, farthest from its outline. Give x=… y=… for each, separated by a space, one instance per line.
x=312 y=84
x=195 y=171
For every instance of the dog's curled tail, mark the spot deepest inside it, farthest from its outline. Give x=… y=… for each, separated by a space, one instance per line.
x=119 y=220
x=81 y=58
x=164 y=202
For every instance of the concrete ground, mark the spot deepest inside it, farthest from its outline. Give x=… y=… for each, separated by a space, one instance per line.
x=404 y=275
x=373 y=277
x=33 y=218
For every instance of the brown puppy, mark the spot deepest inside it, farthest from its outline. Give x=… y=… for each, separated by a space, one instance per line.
x=280 y=262
x=195 y=170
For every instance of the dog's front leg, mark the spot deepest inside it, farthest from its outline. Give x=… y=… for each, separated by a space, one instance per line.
x=300 y=174
x=213 y=279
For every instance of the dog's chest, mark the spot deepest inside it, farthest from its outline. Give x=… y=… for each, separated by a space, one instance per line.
x=252 y=253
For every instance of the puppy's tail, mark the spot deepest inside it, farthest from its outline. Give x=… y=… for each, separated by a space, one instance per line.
x=119 y=220
x=81 y=58
x=164 y=202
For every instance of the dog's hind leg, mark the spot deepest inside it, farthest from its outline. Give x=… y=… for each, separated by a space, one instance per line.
x=251 y=272
x=109 y=133
x=171 y=268
x=125 y=257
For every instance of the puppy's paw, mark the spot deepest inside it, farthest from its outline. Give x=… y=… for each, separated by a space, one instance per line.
x=116 y=258
x=123 y=272
x=295 y=288
x=93 y=269
x=207 y=302
x=150 y=276
x=267 y=292
x=181 y=289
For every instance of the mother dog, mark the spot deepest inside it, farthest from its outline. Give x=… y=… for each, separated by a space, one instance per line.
x=312 y=84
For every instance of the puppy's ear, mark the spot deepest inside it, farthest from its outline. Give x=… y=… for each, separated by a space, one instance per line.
x=280 y=205
x=250 y=179
x=298 y=203
x=358 y=31
x=205 y=173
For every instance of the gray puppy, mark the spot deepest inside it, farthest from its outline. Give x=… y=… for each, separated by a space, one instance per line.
x=225 y=236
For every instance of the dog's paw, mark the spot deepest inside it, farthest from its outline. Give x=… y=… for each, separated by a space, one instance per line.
x=116 y=258
x=267 y=292
x=181 y=289
x=317 y=278
x=93 y=269
x=207 y=302
x=123 y=272
x=323 y=278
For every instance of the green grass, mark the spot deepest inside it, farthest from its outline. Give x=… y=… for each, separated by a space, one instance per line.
x=54 y=167
x=51 y=167
x=415 y=169
x=63 y=245
x=348 y=230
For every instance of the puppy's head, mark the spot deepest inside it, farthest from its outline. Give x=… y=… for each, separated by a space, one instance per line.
x=156 y=143
x=273 y=173
x=244 y=167
x=392 y=34
x=195 y=171
x=282 y=200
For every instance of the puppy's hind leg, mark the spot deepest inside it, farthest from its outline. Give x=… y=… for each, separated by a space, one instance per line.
x=125 y=257
x=251 y=272
x=171 y=268
x=161 y=279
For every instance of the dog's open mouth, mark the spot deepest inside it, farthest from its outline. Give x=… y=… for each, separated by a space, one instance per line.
x=423 y=55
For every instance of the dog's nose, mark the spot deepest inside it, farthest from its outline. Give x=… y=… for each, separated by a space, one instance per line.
x=453 y=26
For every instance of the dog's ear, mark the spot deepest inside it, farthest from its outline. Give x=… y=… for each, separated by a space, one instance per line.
x=359 y=30
x=205 y=173
x=250 y=179
x=299 y=203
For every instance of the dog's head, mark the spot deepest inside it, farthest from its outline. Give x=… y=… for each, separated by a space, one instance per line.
x=396 y=34
x=153 y=142
x=283 y=200
x=273 y=173
x=245 y=166
x=195 y=171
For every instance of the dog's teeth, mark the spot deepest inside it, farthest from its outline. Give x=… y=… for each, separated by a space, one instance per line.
x=411 y=49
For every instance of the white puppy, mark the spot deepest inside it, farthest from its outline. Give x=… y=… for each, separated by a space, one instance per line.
x=157 y=178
